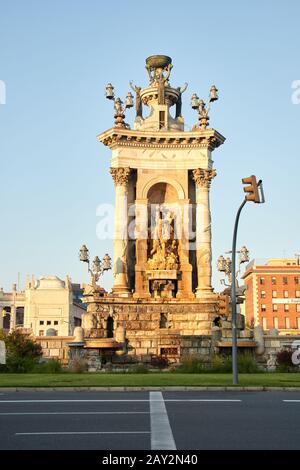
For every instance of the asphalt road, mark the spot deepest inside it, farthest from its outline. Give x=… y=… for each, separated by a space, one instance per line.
x=150 y=420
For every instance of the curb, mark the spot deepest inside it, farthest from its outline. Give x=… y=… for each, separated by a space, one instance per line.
x=146 y=389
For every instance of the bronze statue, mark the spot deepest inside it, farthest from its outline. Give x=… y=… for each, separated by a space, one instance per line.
x=179 y=101
x=138 y=100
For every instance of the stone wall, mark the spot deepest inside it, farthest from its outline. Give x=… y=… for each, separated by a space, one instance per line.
x=55 y=347
x=274 y=344
x=196 y=346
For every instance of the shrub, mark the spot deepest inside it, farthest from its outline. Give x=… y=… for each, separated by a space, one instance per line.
x=19 y=365
x=284 y=361
x=22 y=352
x=139 y=369
x=217 y=365
x=160 y=362
x=220 y=364
x=191 y=365
x=247 y=364
x=22 y=345
x=53 y=366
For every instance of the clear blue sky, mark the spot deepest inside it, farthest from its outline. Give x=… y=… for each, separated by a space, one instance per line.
x=56 y=58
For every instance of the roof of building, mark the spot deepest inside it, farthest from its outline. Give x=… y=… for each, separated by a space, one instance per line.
x=50 y=282
x=271 y=265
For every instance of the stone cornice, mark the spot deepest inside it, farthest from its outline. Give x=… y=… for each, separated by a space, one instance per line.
x=116 y=137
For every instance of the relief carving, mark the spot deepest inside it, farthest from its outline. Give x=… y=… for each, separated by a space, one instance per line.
x=120 y=175
x=203 y=177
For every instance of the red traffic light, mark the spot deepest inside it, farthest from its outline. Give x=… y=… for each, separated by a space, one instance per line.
x=251 y=189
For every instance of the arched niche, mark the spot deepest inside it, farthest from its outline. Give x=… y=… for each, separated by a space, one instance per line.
x=162 y=193
x=167 y=184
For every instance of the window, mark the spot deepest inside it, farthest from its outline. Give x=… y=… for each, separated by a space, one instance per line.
x=285 y=294
x=55 y=322
x=274 y=294
x=274 y=281
x=285 y=280
x=264 y=323
x=263 y=308
x=275 y=308
x=77 y=321
x=287 y=322
x=41 y=333
x=297 y=307
x=286 y=307
x=298 y=323
x=297 y=293
x=48 y=322
x=41 y=322
x=262 y=281
x=275 y=322
x=263 y=294
x=296 y=279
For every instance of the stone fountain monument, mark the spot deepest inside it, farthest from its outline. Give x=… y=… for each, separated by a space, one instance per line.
x=162 y=302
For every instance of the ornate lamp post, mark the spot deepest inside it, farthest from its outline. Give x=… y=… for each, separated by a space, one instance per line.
x=98 y=266
x=225 y=265
x=228 y=267
x=119 y=107
x=203 y=111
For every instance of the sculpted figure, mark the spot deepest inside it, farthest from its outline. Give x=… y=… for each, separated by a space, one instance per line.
x=179 y=102
x=138 y=100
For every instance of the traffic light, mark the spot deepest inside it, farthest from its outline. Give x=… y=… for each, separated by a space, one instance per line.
x=251 y=189
x=224 y=304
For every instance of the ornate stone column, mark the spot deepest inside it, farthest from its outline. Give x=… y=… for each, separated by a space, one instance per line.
x=185 y=281
x=141 y=249
x=120 y=177
x=203 y=178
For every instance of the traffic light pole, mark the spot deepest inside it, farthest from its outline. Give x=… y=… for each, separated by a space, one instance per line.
x=233 y=297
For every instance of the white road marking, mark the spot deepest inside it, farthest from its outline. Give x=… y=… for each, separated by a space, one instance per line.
x=161 y=432
x=205 y=400
x=78 y=432
x=123 y=400
x=71 y=401
x=291 y=401
x=77 y=413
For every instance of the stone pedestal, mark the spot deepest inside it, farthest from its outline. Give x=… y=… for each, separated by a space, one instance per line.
x=153 y=327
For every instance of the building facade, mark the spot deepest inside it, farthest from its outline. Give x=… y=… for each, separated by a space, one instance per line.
x=47 y=306
x=273 y=294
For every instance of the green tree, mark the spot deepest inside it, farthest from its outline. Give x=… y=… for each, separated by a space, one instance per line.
x=22 y=352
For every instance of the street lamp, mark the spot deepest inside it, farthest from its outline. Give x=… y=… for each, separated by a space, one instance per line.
x=98 y=266
x=225 y=265
x=119 y=107
x=200 y=105
x=244 y=255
